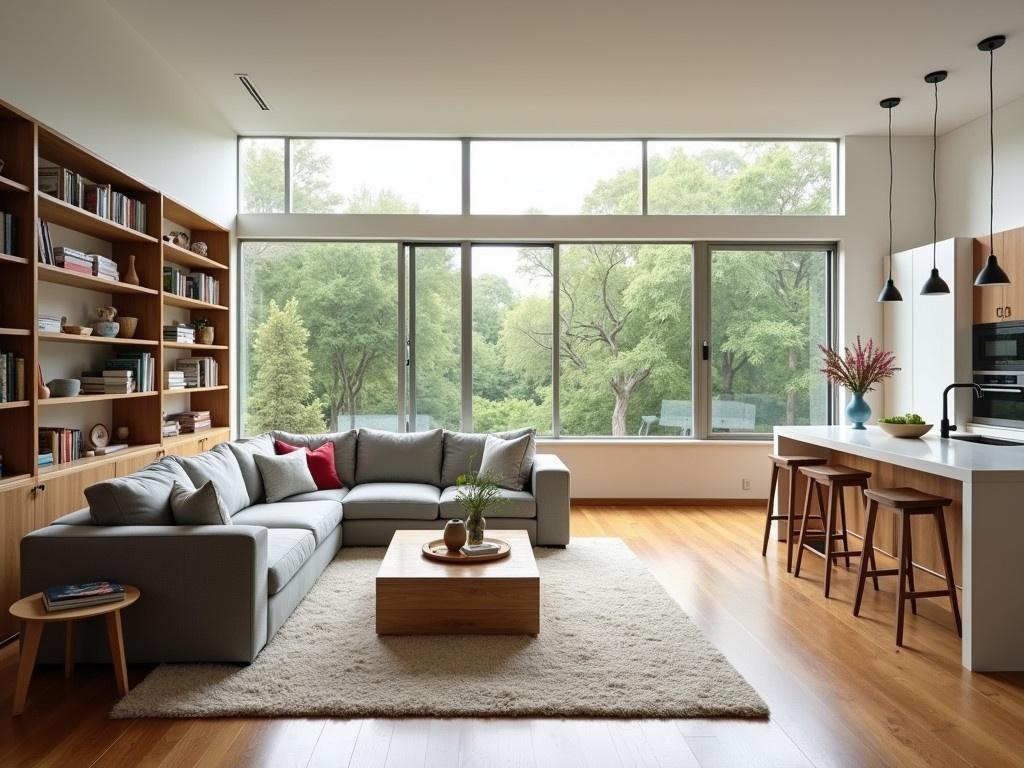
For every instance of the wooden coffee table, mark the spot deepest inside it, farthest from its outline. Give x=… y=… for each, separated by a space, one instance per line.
x=417 y=596
x=34 y=616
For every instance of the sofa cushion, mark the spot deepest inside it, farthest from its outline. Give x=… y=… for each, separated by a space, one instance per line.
x=285 y=475
x=220 y=466
x=320 y=462
x=244 y=451
x=399 y=501
x=337 y=495
x=317 y=517
x=287 y=551
x=344 y=449
x=503 y=460
x=141 y=498
x=463 y=452
x=519 y=504
x=393 y=457
x=198 y=506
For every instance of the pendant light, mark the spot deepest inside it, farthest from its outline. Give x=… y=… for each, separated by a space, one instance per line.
x=935 y=285
x=991 y=273
x=890 y=292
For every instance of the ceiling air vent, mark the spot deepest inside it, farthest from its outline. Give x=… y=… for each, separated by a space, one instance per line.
x=244 y=79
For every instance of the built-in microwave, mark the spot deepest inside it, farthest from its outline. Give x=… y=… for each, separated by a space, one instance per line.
x=1002 y=400
x=999 y=346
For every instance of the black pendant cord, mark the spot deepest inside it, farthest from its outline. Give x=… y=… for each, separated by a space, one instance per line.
x=935 y=184
x=992 y=153
x=890 y=194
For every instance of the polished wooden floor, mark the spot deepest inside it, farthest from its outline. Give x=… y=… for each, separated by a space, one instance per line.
x=840 y=692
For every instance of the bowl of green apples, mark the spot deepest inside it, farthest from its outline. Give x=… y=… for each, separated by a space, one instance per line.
x=909 y=426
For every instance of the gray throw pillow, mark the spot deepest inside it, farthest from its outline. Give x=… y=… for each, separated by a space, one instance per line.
x=344 y=449
x=393 y=457
x=463 y=452
x=285 y=475
x=503 y=460
x=198 y=506
x=141 y=498
x=220 y=466
x=244 y=451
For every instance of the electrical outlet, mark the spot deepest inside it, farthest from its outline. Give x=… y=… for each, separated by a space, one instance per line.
x=746 y=483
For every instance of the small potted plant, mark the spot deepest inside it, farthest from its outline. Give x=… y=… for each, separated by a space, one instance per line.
x=477 y=495
x=204 y=331
x=858 y=370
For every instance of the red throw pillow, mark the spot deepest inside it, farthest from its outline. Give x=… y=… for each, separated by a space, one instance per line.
x=320 y=463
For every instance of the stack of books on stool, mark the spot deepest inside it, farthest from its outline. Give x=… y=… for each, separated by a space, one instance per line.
x=82 y=595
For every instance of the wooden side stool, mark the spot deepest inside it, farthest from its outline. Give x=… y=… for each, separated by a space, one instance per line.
x=907 y=502
x=837 y=479
x=34 y=616
x=791 y=464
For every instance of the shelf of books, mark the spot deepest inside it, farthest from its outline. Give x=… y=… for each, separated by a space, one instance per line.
x=85 y=245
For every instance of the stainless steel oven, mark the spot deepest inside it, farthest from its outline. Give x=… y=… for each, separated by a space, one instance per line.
x=999 y=346
x=998 y=406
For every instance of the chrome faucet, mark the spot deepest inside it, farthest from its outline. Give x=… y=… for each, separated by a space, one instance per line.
x=944 y=426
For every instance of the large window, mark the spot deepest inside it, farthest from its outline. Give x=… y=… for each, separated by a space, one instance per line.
x=529 y=176
x=574 y=339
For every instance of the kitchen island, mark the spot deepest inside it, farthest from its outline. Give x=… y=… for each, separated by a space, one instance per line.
x=985 y=522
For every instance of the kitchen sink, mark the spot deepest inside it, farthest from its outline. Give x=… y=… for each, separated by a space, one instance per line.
x=984 y=440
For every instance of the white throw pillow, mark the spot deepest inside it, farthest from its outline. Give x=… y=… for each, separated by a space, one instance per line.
x=198 y=506
x=503 y=460
x=285 y=475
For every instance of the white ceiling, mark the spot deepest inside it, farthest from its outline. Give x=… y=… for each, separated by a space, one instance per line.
x=587 y=67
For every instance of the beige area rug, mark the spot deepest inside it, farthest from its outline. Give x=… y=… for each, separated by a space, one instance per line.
x=612 y=643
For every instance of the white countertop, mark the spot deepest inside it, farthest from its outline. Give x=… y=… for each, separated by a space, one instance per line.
x=956 y=459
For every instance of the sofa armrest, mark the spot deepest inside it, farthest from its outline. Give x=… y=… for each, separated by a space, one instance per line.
x=204 y=588
x=550 y=484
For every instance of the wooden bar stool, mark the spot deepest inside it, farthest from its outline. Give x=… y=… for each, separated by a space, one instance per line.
x=837 y=479
x=907 y=502
x=790 y=464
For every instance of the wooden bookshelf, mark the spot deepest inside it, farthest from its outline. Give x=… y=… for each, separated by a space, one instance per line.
x=186 y=258
x=15 y=332
x=77 y=399
x=51 y=274
x=10 y=185
x=14 y=404
x=91 y=461
x=66 y=215
x=173 y=300
x=6 y=258
x=194 y=347
x=192 y=390
x=73 y=338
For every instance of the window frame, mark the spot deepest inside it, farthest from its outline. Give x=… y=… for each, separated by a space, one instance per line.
x=700 y=318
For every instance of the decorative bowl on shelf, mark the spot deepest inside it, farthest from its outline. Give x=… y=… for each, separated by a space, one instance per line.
x=76 y=330
x=107 y=329
x=127 y=326
x=905 y=430
x=64 y=387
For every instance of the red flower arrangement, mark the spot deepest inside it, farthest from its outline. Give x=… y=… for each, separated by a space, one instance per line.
x=860 y=368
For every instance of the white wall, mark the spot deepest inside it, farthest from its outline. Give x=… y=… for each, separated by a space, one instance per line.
x=964 y=174
x=81 y=69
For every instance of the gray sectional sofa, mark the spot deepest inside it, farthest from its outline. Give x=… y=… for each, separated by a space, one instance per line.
x=218 y=593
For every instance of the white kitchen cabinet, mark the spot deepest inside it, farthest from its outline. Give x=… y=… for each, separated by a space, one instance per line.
x=931 y=335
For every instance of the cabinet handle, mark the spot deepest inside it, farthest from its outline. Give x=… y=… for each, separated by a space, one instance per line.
x=999 y=311
x=1007 y=312
x=40 y=487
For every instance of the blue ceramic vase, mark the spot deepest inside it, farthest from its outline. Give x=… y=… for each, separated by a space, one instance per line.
x=858 y=411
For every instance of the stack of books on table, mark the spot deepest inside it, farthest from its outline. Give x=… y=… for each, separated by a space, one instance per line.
x=175 y=380
x=48 y=323
x=73 y=260
x=486 y=548
x=108 y=383
x=64 y=443
x=170 y=428
x=104 y=267
x=141 y=366
x=182 y=334
x=199 y=371
x=12 y=377
x=82 y=595
x=193 y=421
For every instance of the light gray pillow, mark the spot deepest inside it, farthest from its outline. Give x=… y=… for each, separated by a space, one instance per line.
x=503 y=460
x=220 y=466
x=141 y=498
x=463 y=452
x=393 y=457
x=243 y=451
x=344 y=449
x=285 y=475
x=198 y=506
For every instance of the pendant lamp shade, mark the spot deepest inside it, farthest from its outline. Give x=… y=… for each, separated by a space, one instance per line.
x=890 y=292
x=991 y=273
x=935 y=285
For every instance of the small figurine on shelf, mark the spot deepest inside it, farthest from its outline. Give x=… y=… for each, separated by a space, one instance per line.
x=42 y=391
x=204 y=331
x=179 y=239
x=199 y=247
x=131 y=276
x=123 y=433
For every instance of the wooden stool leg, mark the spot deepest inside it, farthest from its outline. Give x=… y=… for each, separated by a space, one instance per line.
x=901 y=558
x=910 y=565
x=947 y=565
x=771 y=509
x=869 y=537
x=116 y=639
x=31 y=632
x=790 y=519
x=833 y=503
x=803 y=527
x=69 y=648
x=842 y=522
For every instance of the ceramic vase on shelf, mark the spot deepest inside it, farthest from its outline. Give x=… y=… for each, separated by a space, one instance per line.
x=131 y=276
x=857 y=410
x=204 y=335
x=454 y=535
